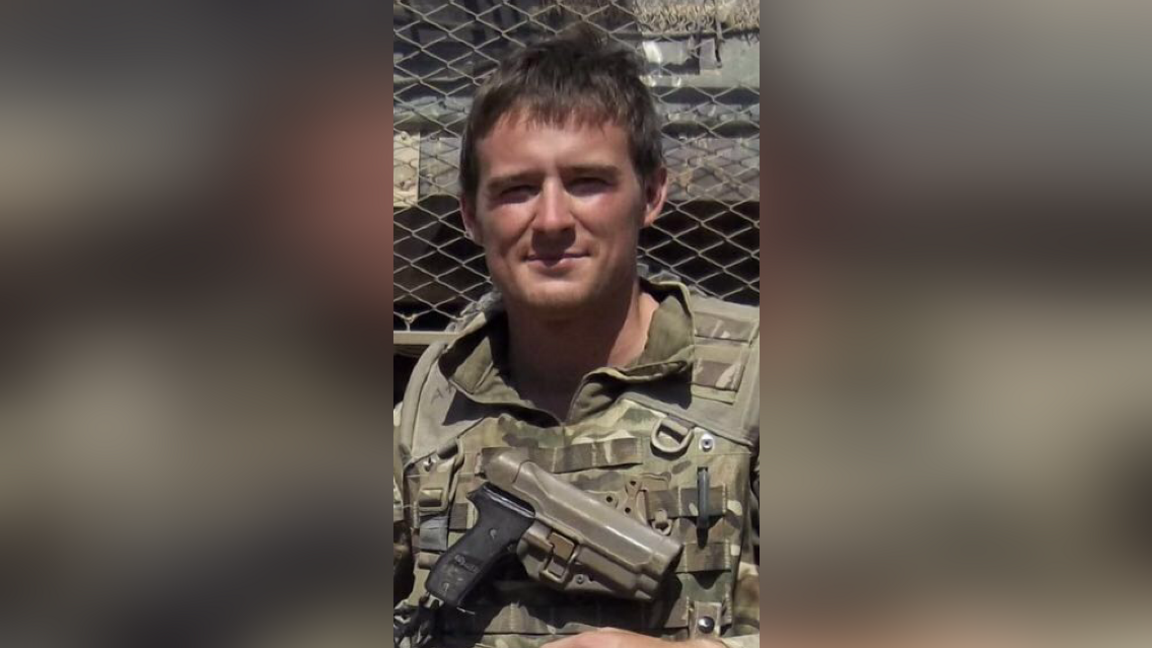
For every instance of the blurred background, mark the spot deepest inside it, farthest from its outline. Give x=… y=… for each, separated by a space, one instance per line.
x=957 y=331
x=193 y=271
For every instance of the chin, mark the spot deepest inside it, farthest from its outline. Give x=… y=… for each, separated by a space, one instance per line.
x=556 y=301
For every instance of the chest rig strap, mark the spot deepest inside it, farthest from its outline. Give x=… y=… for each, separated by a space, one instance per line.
x=724 y=337
x=581 y=456
x=668 y=503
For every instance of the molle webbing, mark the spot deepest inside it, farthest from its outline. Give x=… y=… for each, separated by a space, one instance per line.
x=583 y=456
x=713 y=557
x=676 y=502
x=682 y=502
x=572 y=617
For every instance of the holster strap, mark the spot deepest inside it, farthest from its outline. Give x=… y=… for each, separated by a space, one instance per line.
x=676 y=502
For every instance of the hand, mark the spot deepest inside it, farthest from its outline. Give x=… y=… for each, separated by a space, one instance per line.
x=611 y=638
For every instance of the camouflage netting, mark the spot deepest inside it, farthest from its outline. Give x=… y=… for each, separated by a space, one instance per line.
x=688 y=16
x=678 y=17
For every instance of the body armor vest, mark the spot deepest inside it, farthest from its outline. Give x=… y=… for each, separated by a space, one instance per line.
x=675 y=454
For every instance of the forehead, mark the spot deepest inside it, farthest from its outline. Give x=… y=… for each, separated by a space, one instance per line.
x=520 y=142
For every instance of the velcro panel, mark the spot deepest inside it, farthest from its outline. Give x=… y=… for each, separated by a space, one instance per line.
x=719 y=366
x=715 y=326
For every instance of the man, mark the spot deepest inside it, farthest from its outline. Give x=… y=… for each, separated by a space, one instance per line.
x=633 y=390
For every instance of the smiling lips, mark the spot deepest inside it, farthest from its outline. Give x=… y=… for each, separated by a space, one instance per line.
x=547 y=258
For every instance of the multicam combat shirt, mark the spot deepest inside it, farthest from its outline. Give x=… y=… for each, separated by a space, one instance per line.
x=637 y=437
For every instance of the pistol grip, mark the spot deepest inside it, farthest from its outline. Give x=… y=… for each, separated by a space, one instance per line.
x=503 y=520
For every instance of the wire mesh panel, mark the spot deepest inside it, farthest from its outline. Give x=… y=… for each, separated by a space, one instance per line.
x=703 y=68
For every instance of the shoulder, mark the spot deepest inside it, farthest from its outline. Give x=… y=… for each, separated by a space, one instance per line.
x=433 y=411
x=716 y=319
x=712 y=318
x=421 y=384
x=727 y=343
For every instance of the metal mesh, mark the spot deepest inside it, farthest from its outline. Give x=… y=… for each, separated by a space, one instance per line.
x=704 y=72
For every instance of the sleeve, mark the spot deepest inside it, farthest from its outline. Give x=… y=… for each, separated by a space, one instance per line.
x=747 y=599
x=747 y=596
x=401 y=533
x=754 y=514
x=401 y=550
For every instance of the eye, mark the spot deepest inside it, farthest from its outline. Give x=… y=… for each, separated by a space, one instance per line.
x=515 y=193
x=515 y=189
x=587 y=184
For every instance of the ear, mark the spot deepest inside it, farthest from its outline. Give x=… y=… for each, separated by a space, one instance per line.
x=468 y=214
x=655 y=192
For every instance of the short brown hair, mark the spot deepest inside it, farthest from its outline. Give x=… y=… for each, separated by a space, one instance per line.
x=578 y=75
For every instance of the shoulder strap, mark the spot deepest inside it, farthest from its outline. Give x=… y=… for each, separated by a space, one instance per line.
x=725 y=390
x=725 y=337
x=433 y=414
x=409 y=409
x=720 y=320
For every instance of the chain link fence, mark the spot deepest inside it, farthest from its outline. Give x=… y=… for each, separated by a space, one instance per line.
x=704 y=71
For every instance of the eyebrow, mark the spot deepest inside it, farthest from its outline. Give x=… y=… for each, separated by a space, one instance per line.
x=609 y=170
x=495 y=183
x=498 y=182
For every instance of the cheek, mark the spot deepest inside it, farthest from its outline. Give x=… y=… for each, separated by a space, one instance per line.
x=502 y=228
x=613 y=221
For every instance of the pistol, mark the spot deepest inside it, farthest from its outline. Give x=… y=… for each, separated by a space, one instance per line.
x=566 y=538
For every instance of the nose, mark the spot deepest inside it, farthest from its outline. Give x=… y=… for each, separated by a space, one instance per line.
x=552 y=210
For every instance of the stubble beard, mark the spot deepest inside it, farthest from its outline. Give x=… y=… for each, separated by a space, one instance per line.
x=562 y=303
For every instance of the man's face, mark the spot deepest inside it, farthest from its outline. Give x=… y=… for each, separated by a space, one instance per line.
x=558 y=210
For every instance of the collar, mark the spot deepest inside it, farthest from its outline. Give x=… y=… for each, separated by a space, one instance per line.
x=477 y=362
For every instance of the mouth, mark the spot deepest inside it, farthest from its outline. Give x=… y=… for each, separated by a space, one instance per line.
x=549 y=258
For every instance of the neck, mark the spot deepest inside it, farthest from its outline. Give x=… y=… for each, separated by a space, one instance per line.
x=549 y=357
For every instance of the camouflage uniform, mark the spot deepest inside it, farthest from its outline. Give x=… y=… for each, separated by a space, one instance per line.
x=635 y=437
